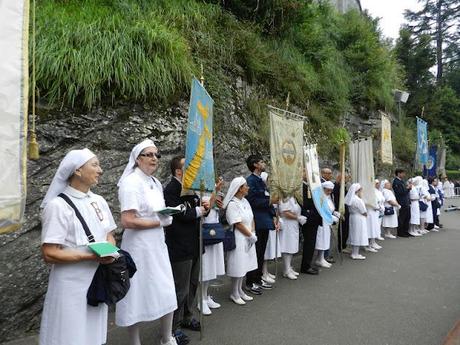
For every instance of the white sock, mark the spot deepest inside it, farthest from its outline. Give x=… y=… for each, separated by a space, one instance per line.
x=265 y=268
x=205 y=287
x=321 y=255
x=166 y=327
x=236 y=287
x=354 y=250
x=134 y=336
x=240 y=287
x=286 y=262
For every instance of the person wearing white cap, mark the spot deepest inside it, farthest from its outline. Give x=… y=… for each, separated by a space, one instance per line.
x=390 y=217
x=273 y=249
x=323 y=237
x=358 y=223
x=414 y=195
x=374 y=227
x=426 y=216
x=67 y=318
x=243 y=258
x=151 y=295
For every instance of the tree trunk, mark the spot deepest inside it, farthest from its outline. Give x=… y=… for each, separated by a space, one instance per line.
x=439 y=40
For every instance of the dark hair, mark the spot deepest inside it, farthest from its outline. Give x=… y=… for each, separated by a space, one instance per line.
x=399 y=171
x=431 y=179
x=175 y=164
x=252 y=160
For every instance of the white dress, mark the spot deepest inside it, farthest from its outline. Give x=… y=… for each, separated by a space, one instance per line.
x=289 y=234
x=425 y=214
x=67 y=318
x=323 y=235
x=213 y=257
x=243 y=258
x=152 y=292
x=390 y=221
x=358 y=223
x=415 y=213
x=373 y=222
x=272 y=247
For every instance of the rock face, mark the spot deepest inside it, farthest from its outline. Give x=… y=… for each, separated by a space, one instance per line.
x=111 y=132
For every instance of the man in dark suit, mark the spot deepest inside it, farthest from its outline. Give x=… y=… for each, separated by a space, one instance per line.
x=264 y=218
x=343 y=225
x=182 y=238
x=309 y=230
x=402 y=197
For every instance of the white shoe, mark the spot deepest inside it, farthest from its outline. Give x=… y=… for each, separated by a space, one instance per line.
x=358 y=257
x=172 y=341
x=290 y=275
x=268 y=279
x=415 y=234
x=213 y=304
x=376 y=246
x=436 y=227
x=272 y=276
x=245 y=297
x=238 y=300
x=294 y=272
x=435 y=230
x=380 y=238
x=424 y=231
x=390 y=236
x=370 y=249
x=206 y=310
x=323 y=263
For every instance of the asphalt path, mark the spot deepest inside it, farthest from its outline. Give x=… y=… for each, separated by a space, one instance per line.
x=406 y=294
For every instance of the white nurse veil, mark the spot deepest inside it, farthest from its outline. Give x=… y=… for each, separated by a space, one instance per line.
x=135 y=152
x=351 y=193
x=236 y=183
x=71 y=162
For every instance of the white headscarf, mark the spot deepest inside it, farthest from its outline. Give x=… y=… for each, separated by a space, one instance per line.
x=424 y=186
x=264 y=176
x=417 y=180
x=382 y=185
x=327 y=185
x=236 y=183
x=135 y=152
x=71 y=162
x=352 y=193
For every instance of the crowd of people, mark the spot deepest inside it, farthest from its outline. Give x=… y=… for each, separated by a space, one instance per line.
x=166 y=249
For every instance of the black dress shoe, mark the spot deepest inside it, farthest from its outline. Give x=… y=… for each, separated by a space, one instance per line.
x=330 y=260
x=254 y=289
x=193 y=325
x=404 y=235
x=311 y=271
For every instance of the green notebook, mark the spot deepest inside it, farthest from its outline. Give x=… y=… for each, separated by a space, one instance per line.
x=103 y=249
x=169 y=211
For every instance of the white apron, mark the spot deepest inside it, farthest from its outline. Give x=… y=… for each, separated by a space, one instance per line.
x=243 y=258
x=67 y=318
x=272 y=247
x=152 y=293
x=358 y=223
x=415 y=213
x=323 y=236
x=390 y=221
x=289 y=234
x=213 y=257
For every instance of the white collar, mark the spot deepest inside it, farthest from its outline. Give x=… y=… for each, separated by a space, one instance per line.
x=76 y=193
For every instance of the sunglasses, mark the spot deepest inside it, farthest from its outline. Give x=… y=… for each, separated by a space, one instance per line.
x=150 y=155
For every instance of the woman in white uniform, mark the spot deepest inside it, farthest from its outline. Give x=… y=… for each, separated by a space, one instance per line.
x=213 y=257
x=152 y=294
x=414 y=196
x=272 y=250
x=381 y=205
x=243 y=258
x=358 y=223
x=323 y=236
x=67 y=318
x=373 y=223
x=389 y=222
x=291 y=216
x=426 y=217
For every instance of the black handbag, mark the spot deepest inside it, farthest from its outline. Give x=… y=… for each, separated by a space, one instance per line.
x=212 y=233
x=111 y=280
x=229 y=240
x=423 y=207
x=389 y=211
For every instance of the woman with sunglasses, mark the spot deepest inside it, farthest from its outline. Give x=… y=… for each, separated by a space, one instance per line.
x=151 y=295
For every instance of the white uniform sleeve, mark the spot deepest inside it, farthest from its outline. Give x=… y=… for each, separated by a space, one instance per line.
x=57 y=221
x=285 y=206
x=233 y=213
x=110 y=224
x=129 y=196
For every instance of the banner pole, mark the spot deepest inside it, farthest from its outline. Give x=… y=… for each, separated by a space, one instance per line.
x=201 y=263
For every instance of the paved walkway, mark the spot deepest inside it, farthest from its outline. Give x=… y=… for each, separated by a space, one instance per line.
x=407 y=294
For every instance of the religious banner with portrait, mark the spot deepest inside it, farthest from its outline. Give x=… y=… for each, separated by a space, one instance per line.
x=422 y=142
x=199 y=159
x=14 y=83
x=362 y=168
x=286 y=143
x=314 y=181
x=430 y=168
x=386 y=145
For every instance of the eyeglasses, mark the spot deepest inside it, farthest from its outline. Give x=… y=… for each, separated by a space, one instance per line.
x=150 y=155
